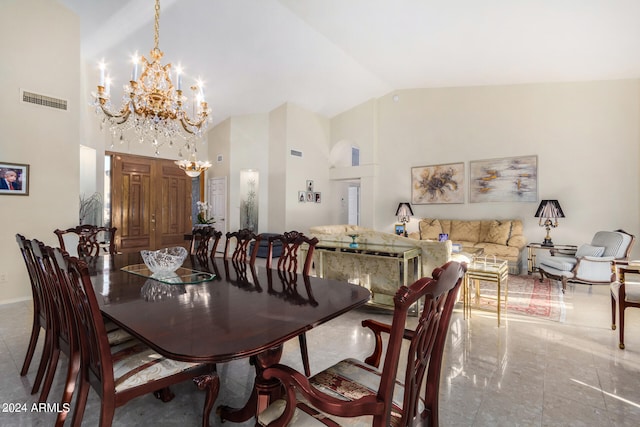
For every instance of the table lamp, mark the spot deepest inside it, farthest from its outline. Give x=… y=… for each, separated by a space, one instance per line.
x=404 y=213
x=550 y=211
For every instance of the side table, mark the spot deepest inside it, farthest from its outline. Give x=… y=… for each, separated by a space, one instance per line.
x=533 y=247
x=489 y=270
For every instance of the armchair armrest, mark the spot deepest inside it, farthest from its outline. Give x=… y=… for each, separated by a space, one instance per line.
x=594 y=269
x=293 y=380
x=378 y=328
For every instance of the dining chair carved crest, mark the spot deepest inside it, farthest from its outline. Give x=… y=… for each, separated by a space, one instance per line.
x=360 y=391
x=291 y=242
x=287 y=265
x=242 y=252
x=90 y=239
x=122 y=372
x=204 y=242
x=41 y=314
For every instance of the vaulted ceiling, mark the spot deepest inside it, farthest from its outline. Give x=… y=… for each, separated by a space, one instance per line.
x=330 y=55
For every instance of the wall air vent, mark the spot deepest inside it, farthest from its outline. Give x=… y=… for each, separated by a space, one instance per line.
x=296 y=153
x=45 y=101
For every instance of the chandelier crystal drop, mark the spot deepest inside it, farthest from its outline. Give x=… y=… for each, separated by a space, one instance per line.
x=151 y=105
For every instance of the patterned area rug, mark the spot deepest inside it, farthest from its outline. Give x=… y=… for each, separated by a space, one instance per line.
x=527 y=296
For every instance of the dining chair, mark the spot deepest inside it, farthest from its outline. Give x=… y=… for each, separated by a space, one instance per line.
x=41 y=315
x=242 y=251
x=288 y=265
x=358 y=393
x=624 y=294
x=122 y=372
x=88 y=240
x=204 y=242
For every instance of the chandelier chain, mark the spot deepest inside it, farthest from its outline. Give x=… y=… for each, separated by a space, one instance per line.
x=157 y=26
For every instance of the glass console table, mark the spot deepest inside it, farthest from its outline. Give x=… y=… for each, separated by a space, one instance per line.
x=380 y=268
x=182 y=276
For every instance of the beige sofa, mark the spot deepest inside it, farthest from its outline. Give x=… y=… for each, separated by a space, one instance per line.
x=500 y=238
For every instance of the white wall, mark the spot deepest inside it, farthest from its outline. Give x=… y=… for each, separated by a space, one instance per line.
x=307 y=132
x=586 y=137
x=45 y=138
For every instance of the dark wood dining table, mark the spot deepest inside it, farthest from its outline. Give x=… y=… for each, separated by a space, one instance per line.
x=242 y=312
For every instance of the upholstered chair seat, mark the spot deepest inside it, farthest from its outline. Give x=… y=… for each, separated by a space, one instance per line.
x=348 y=380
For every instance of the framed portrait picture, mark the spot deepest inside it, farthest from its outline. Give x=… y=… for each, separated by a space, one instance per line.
x=311 y=196
x=317 y=197
x=510 y=179
x=14 y=179
x=309 y=185
x=399 y=229
x=437 y=184
x=302 y=196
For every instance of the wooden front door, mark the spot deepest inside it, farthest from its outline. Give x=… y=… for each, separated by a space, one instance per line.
x=151 y=203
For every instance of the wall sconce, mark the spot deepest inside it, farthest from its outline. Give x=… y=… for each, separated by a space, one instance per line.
x=550 y=211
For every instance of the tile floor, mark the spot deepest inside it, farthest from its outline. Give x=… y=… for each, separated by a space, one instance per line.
x=528 y=372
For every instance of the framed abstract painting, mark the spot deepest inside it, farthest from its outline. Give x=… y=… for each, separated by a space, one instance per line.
x=510 y=179
x=437 y=184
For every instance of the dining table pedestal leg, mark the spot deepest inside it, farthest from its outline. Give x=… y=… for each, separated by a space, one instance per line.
x=210 y=383
x=264 y=390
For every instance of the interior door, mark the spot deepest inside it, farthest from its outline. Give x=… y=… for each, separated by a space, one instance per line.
x=151 y=203
x=218 y=200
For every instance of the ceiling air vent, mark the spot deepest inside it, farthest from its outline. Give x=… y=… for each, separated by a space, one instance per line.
x=45 y=101
x=296 y=153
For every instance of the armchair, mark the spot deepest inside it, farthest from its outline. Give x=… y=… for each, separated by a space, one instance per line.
x=359 y=393
x=592 y=263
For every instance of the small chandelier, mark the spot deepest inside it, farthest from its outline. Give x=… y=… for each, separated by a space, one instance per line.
x=152 y=106
x=193 y=167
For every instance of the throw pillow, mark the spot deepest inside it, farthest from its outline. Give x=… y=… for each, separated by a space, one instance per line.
x=499 y=232
x=430 y=229
x=589 y=250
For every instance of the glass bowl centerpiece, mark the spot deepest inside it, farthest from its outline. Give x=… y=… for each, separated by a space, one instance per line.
x=165 y=260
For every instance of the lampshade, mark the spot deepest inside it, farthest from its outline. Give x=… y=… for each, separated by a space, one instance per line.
x=549 y=209
x=404 y=211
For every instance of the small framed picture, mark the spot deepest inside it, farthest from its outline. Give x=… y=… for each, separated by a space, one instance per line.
x=317 y=197
x=14 y=179
x=302 y=195
x=309 y=185
x=400 y=229
x=443 y=237
x=310 y=196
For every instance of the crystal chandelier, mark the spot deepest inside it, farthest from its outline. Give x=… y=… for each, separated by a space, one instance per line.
x=152 y=106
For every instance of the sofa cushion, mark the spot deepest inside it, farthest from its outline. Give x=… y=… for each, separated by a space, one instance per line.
x=589 y=250
x=430 y=229
x=510 y=253
x=499 y=232
x=468 y=231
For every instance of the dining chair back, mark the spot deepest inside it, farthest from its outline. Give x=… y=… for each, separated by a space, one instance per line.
x=368 y=396
x=242 y=251
x=87 y=240
x=204 y=242
x=288 y=266
x=291 y=242
x=121 y=372
x=41 y=314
